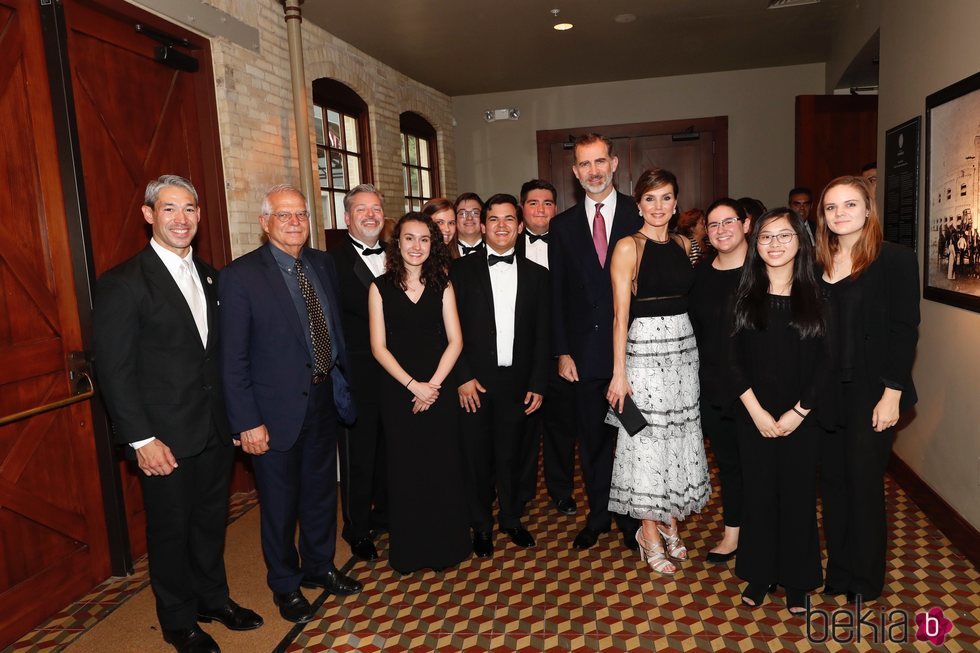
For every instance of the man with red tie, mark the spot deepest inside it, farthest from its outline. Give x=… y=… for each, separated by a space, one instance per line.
x=582 y=241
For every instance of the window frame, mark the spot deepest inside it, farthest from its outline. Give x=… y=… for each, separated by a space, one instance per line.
x=414 y=126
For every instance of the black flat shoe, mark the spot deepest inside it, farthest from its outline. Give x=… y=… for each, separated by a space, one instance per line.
x=334 y=582
x=519 y=536
x=721 y=557
x=363 y=548
x=483 y=544
x=587 y=537
x=191 y=640
x=566 y=506
x=754 y=594
x=293 y=606
x=830 y=590
x=796 y=601
x=232 y=616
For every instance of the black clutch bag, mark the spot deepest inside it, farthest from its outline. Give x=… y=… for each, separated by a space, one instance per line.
x=631 y=418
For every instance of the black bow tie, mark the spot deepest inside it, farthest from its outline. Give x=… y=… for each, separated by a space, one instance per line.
x=533 y=237
x=368 y=251
x=469 y=250
x=494 y=259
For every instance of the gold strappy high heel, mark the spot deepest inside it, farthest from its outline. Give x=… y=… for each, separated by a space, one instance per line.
x=675 y=548
x=655 y=556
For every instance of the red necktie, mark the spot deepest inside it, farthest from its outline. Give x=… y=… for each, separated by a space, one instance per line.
x=599 y=235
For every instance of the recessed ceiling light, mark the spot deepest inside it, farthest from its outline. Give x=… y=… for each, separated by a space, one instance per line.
x=781 y=4
x=561 y=27
x=625 y=18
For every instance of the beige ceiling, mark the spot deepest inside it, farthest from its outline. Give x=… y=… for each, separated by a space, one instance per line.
x=462 y=47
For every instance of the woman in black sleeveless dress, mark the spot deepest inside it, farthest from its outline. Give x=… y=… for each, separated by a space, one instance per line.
x=415 y=337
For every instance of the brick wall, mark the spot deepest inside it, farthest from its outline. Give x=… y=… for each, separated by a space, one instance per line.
x=255 y=114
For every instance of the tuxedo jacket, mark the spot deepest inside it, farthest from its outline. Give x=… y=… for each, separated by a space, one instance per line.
x=581 y=290
x=470 y=276
x=265 y=360
x=155 y=376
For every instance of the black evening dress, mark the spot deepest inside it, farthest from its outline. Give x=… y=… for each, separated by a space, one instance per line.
x=427 y=513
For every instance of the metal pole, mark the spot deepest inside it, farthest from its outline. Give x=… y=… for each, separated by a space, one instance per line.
x=294 y=20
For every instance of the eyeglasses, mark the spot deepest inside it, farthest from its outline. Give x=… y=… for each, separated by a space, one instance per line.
x=726 y=223
x=783 y=238
x=468 y=213
x=285 y=216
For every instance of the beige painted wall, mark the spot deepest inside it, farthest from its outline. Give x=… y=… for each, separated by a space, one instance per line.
x=759 y=103
x=922 y=52
x=856 y=24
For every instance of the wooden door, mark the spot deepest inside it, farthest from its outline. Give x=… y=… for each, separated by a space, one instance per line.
x=137 y=119
x=835 y=135
x=695 y=150
x=53 y=545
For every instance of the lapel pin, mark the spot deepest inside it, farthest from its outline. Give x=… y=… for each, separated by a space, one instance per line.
x=209 y=281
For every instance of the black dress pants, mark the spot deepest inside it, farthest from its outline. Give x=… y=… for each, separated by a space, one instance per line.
x=778 y=540
x=493 y=439
x=722 y=434
x=852 y=470
x=554 y=427
x=186 y=517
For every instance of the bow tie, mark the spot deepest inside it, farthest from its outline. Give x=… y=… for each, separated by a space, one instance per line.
x=368 y=251
x=466 y=249
x=494 y=259
x=531 y=238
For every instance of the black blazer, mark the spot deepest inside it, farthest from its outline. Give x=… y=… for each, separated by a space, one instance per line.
x=155 y=376
x=470 y=276
x=582 y=305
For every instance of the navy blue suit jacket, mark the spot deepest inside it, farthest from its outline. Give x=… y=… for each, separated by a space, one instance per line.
x=581 y=290
x=265 y=360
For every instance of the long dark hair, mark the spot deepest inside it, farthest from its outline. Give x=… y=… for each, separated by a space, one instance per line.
x=435 y=269
x=752 y=296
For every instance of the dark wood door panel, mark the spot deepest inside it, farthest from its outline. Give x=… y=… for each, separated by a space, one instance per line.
x=835 y=135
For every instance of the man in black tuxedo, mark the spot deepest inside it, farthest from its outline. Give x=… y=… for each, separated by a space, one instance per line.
x=539 y=205
x=502 y=301
x=469 y=237
x=360 y=258
x=284 y=366
x=581 y=244
x=156 y=343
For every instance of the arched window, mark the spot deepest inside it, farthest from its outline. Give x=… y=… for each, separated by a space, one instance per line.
x=343 y=146
x=419 y=165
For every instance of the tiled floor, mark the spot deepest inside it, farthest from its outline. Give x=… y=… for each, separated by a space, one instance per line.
x=553 y=597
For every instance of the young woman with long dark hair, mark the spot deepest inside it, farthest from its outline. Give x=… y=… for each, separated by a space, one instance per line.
x=874 y=286
x=416 y=338
x=778 y=363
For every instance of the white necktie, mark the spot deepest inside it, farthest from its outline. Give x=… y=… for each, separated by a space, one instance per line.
x=185 y=280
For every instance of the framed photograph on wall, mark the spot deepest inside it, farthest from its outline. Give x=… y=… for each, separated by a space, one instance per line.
x=951 y=241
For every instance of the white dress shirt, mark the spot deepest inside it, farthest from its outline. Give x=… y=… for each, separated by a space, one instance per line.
x=460 y=244
x=375 y=262
x=537 y=252
x=503 y=283
x=608 y=211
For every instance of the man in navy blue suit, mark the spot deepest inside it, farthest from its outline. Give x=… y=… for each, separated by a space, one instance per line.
x=283 y=362
x=582 y=241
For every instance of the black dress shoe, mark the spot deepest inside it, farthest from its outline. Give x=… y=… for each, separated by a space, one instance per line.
x=629 y=541
x=830 y=590
x=293 y=606
x=364 y=549
x=519 y=536
x=334 y=582
x=721 y=557
x=566 y=506
x=232 y=616
x=191 y=640
x=586 y=539
x=483 y=544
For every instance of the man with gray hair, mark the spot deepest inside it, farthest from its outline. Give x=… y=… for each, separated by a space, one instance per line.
x=284 y=364
x=156 y=349
x=360 y=259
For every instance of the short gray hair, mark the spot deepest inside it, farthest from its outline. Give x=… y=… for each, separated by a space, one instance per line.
x=281 y=188
x=153 y=188
x=361 y=188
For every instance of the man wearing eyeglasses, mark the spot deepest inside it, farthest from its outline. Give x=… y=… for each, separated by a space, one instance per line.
x=468 y=207
x=284 y=365
x=360 y=258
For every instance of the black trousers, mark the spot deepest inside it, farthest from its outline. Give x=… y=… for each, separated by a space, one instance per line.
x=492 y=441
x=299 y=485
x=186 y=515
x=363 y=478
x=778 y=540
x=722 y=434
x=553 y=426
x=852 y=470
x=597 y=446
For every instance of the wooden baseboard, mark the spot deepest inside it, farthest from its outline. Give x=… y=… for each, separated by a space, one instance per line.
x=960 y=532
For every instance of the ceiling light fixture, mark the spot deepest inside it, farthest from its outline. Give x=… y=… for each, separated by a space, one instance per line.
x=625 y=18
x=782 y=4
x=493 y=115
x=561 y=27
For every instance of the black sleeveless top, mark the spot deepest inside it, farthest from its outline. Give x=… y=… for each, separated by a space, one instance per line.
x=664 y=278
